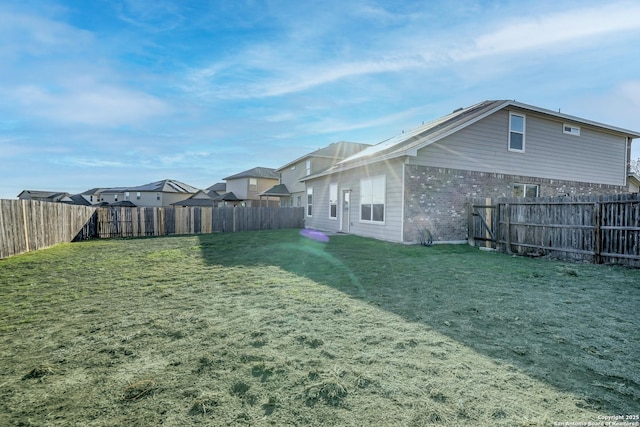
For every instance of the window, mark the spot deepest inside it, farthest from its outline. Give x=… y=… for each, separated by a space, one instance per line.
x=310 y=201
x=253 y=184
x=571 y=130
x=299 y=201
x=308 y=167
x=138 y=195
x=526 y=190
x=516 y=132
x=115 y=198
x=157 y=196
x=126 y=195
x=372 y=197
x=333 y=201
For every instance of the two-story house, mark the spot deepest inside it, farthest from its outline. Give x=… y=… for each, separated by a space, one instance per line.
x=291 y=189
x=424 y=178
x=246 y=186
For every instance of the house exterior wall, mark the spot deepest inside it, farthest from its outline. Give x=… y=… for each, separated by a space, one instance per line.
x=437 y=198
x=239 y=187
x=594 y=156
x=389 y=230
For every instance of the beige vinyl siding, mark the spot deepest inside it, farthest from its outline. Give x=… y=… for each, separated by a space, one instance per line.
x=594 y=156
x=390 y=229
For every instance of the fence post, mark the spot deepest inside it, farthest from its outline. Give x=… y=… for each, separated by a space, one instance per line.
x=597 y=232
x=507 y=208
x=472 y=230
x=24 y=221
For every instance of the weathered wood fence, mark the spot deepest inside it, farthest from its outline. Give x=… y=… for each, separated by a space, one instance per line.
x=152 y=221
x=27 y=225
x=603 y=229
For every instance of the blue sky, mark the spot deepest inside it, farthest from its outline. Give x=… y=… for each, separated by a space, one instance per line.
x=101 y=93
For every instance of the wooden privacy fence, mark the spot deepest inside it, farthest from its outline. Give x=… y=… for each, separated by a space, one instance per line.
x=154 y=221
x=599 y=229
x=27 y=225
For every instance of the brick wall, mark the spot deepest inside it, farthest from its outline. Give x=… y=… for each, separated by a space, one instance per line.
x=437 y=199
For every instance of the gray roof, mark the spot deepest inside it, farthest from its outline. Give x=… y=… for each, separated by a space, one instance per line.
x=218 y=186
x=336 y=150
x=227 y=197
x=408 y=143
x=276 y=190
x=38 y=194
x=77 y=199
x=258 y=172
x=164 y=186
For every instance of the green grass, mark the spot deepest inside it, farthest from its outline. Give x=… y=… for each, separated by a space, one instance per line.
x=270 y=328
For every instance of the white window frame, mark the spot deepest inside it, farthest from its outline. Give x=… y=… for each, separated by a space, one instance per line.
x=570 y=129
x=525 y=187
x=523 y=132
x=126 y=195
x=333 y=201
x=369 y=184
x=309 y=210
x=307 y=166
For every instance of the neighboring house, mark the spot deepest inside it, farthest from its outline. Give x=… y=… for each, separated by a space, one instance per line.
x=45 y=196
x=92 y=196
x=248 y=185
x=155 y=194
x=425 y=178
x=291 y=189
x=634 y=183
x=201 y=199
x=217 y=189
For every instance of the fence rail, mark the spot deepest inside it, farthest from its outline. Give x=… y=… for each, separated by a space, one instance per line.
x=27 y=225
x=604 y=229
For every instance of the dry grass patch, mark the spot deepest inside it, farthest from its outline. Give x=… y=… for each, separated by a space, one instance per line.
x=272 y=329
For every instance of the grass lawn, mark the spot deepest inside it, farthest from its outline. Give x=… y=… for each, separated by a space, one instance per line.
x=272 y=328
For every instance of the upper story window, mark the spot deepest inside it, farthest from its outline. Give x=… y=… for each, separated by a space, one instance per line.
x=126 y=195
x=138 y=195
x=253 y=184
x=308 y=166
x=571 y=129
x=516 y=132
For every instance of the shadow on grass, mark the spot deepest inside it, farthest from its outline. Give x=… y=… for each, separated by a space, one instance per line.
x=572 y=326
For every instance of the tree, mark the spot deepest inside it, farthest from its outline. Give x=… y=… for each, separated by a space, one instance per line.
x=635 y=166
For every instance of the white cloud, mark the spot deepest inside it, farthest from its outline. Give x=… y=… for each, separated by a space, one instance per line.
x=96 y=104
x=554 y=30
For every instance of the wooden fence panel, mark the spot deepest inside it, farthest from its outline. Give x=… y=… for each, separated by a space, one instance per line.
x=594 y=228
x=137 y=222
x=27 y=225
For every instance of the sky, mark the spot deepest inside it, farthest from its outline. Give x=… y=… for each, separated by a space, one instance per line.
x=111 y=93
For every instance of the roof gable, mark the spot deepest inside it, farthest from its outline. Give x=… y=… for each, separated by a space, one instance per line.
x=336 y=150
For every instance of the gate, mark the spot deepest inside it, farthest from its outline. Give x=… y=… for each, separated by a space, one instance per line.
x=483 y=224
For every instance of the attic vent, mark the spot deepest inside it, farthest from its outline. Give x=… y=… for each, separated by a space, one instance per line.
x=571 y=130
x=457 y=109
